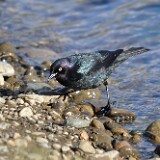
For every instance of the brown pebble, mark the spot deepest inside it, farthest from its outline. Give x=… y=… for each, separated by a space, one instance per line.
x=121 y=144
x=84 y=135
x=96 y=123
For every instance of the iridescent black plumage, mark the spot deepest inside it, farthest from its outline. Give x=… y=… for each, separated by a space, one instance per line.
x=89 y=70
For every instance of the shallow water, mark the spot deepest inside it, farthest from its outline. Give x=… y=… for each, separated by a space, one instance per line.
x=70 y=26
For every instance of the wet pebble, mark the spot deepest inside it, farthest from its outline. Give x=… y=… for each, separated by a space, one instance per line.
x=122 y=116
x=121 y=144
x=26 y=112
x=97 y=124
x=7 y=47
x=153 y=131
x=86 y=146
x=6 y=69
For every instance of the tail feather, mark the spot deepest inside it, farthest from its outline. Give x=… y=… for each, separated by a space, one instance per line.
x=130 y=53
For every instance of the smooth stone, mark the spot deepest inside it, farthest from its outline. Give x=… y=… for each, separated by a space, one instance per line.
x=1 y=80
x=110 y=155
x=41 y=134
x=4 y=125
x=121 y=144
x=65 y=148
x=84 y=135
x=26 y=112
x=6 y=69
x=21 y=142
x=77 y=122
x=2 y=100
x=97 y=124
x=86 y=146
x=3 y=149
x=153 y=131
x=56 y=146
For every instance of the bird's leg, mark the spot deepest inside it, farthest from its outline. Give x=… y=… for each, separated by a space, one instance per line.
x=107 y=109
x=66 y=93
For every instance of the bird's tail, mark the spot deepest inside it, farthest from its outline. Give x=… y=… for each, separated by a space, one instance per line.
x=130 y=53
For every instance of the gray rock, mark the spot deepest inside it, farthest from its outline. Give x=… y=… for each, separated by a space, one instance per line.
x=6 y=69
x=86 y=146
x=26 y=112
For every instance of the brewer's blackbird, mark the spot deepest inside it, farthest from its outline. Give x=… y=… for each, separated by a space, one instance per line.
x=89 y=70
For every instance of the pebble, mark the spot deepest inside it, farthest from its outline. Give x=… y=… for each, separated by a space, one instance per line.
x=121 y=144
x=153 y=131
x=6 y=69
x=16 y=135
x=65 y=148
x=2 y=100
x=7 y=47
x=86 y=146
x=4 y=125
x=110 y=155
x=56 y=146
x=21 y=142
x=41 y=134
x=1 y=80
x=84 y=135
x=77 y=122
x=26 y=112
x=98 y=124
x=3 y=149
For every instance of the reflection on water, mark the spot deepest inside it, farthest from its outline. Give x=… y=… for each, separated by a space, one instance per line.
x=68 y=26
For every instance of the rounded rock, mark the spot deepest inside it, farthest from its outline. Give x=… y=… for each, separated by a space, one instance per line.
x=86 y=146
x=26 y=112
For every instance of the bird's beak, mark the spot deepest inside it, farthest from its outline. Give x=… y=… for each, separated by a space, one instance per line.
x=51 y=76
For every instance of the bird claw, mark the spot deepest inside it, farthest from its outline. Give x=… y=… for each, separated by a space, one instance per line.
x=104 y=111
x=65 y=96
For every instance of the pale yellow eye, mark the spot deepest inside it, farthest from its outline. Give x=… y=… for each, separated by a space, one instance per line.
x=60 y=69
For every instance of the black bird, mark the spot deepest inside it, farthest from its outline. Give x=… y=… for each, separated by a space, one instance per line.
x=89 y=70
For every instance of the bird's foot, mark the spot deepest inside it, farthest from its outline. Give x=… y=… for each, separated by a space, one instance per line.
x=104 y=111
x=65 y=95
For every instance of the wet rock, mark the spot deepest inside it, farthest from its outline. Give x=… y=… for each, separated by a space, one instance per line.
x=1 y=80
x=86 y=108
x=110 y=155
x=128 y=152
x=121 y=144
x=153 y=131
x=6 y=69
x=98 y=124
x=86 y=146
x=122 y=116
x=116 y=128
x=7 y=47
x=46 y=65
x=26 y=112
x=157 y=150
x=101 y=138
x=136 y=138
x=80 y=96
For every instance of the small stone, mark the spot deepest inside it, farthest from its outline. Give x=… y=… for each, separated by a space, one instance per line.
x=40 y=134
x=3 y=149
x=6 y=69
x=65 y=148
x=21 y=142
x=11 y=143
x=2 y=118
x=4 y=125
x=153 y=131
x=2 y=100
x=56 y=146
x=121 y=144
x=110 y=155
x=86 y=146
x=84 y=135
x=1 y=80
x=20 y=101
x=96 y=123
x=26 y=112
x=16 y=135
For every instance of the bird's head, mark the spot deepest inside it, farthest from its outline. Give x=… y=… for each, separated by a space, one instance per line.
x=60 y=69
